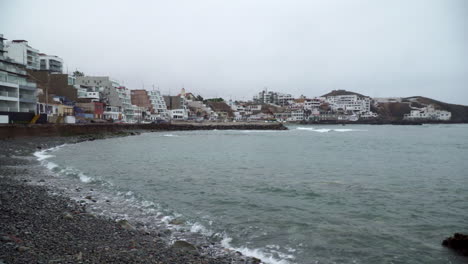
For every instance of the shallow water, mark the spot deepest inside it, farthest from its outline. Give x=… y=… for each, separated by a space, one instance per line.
x=324 y=194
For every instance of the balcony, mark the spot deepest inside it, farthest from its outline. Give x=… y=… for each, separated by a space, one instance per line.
x=28 y=98
x=30 y=86
x=13 y=95
x=10 y=68
x=27 y=110
x=8 y=109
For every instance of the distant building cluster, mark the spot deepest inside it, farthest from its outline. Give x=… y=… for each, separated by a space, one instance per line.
x=428 y=113
x=34 y=89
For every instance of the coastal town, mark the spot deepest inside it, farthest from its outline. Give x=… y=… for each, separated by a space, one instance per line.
x=35 y=89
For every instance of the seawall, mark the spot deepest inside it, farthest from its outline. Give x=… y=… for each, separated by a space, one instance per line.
x=54 y=130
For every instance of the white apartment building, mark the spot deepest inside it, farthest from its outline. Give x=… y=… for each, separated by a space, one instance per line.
x=50 y=63
x=349 y=103
x=179 y=114
x=270 y=97
x=283 y=99
x=17 y=93
x=315 y=103
x=297 y=115
x=158 y=103
x=112 y=112
x=22 y=53
x=428 y=113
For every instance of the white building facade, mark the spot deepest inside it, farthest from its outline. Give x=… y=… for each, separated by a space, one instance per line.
x=428 y=113
x=50 y=63
x=17 y=93
x=158 y=103
x=22 y=53
x=270 y=97
x=349 y=103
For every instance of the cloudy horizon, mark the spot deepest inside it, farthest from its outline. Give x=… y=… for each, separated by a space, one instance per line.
x=233 y=49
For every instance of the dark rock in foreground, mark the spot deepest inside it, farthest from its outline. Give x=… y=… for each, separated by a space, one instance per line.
x=459 y=243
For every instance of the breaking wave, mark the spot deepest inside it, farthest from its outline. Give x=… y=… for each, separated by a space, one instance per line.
x=170 y=135
x=326 y=130
x=258 y=253
x=43 y=156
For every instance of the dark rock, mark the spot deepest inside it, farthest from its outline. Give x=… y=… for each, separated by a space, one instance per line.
x=22 y=249
x=126 y=225
x=459 y=243
x=6 y=239
x=67 y=216
x=176 y=222
x=184 y=245
x=256 y=260
x=79 y=256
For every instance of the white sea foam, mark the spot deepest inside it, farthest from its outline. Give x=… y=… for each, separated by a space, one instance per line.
x=259 y=131
x=325 y=130
x=44 y=155
x=322 y=130
x=170 y=135
x=348 y=130
x=343 y=130
x=50 y=165
x=306 y=128
x=256 y=253
x=198 y=228
x=84 y=178
x=166 y=219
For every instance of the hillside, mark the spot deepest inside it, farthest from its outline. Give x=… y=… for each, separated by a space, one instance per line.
x=342 y=92
x=396 y=111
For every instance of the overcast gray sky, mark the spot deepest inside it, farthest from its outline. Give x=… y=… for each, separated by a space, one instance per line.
x=236 y=48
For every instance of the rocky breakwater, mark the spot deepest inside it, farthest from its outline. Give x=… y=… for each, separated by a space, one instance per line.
x=51 y=130
x=458 y=242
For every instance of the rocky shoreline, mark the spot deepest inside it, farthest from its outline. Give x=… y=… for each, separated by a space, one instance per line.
x=38 y=224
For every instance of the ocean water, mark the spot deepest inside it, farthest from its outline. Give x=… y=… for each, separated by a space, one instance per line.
x=311 y=194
